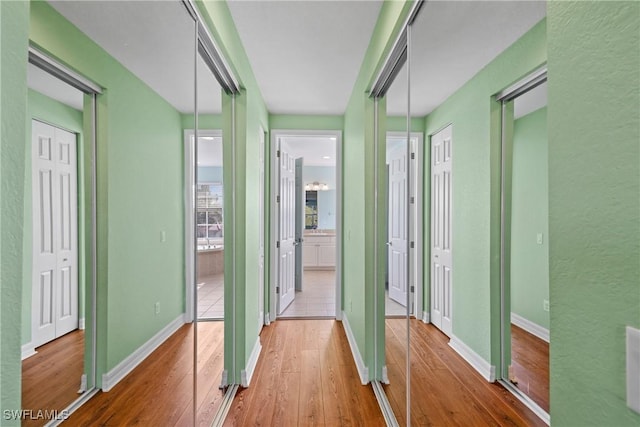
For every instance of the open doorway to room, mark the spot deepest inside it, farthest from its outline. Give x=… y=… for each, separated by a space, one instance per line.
x=305 y=224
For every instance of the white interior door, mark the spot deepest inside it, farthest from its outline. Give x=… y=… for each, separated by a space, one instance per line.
x=287 y=238
x=398 y=224
x=55 y=248
x=261 y=233
x=441 y=265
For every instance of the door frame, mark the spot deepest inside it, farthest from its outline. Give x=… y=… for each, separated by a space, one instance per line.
x=416 y=278
x=274 y=231
x=189 y=220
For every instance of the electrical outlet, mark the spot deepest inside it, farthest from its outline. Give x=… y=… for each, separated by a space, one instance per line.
x=163 y=236
x=539 y=238
x=157 y=307
x=545 y=305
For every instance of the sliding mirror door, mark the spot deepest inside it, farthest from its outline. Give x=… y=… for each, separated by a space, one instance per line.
x=143 y=54
x=209 y=239
x=525 y=291
x=58 y=309
x=397 y=292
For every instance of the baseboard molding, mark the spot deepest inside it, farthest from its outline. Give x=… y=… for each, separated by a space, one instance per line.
x=385 y=375
x=122 y=369
x=363 y=371
x=81 y=324
x=426 y=318
x=485 y=369
x=83 y=384
x=529 y=326
x=246 y=374
x=28 y=350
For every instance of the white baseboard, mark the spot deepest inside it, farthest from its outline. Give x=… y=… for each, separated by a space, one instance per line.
x=426 y=318
x=363 y=371
x=224 y=380
x=267 y=319
x=28 y=350
x=83 y=384
x=485 y=369
x=385 y=375
x=122 y=369
x=246 y=374
x=81 y=324
x=529 y=326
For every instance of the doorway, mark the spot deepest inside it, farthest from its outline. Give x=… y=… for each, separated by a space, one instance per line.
x=306 y=222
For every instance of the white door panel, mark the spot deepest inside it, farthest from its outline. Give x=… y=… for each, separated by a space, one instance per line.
x=287 y=236
x=441 y=226
x=55 y=277
x=397 y=225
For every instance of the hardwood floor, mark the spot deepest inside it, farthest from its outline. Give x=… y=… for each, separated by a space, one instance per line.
x=51 y=378
x=445 y=389
x=530 y=364
x=305 y=377
x=159 y=391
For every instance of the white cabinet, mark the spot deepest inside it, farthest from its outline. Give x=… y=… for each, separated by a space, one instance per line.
x=319 y=252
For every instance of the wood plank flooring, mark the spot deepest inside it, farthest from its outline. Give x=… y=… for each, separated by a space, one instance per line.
x=445 y=389
x=305 y=377
x=530 y=363
x=159 y=391
x=51 y=378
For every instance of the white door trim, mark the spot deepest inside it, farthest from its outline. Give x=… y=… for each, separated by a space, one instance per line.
x=274 y=212
x=417 y=219
x=262 y=226
x=189 y=225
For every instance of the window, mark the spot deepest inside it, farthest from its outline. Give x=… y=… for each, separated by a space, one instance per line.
x=311 y=210
x=209 y=213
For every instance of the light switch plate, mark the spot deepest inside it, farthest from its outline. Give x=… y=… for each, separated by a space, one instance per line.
x=633 y=368
x=539 y=238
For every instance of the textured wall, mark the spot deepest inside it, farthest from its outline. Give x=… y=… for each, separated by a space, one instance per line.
x=14 y=22
x=529 y=216
x=594 y=218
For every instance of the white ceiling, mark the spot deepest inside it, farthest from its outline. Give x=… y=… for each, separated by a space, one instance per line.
x=451 y=42
x=153 y=39
x=46 y=84
x=209 y=151
x=530 y=101
x=305 y=55
x=316 y=150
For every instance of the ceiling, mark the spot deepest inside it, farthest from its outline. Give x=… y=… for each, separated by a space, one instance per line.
x=316 y=150
x=154 y=40
x=451 y=42
x=305 y=55
x=46 y=84
x=209 y=151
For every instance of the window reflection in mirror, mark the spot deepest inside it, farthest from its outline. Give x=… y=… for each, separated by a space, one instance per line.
x=311 y=210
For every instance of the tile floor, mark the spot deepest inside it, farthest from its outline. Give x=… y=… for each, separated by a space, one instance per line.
x=318 y=295
x=211 y=297
x=317 y=298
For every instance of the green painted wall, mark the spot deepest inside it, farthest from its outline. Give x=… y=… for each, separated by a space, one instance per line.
x=139 y=135
x=359 y=186
x=594 y=207
x=476 y=188
x=205 y=121
x=43 y=108
x=399 y=124
x=529 y=216
x=14 y=19
x=304 y=122
x=251 y=116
